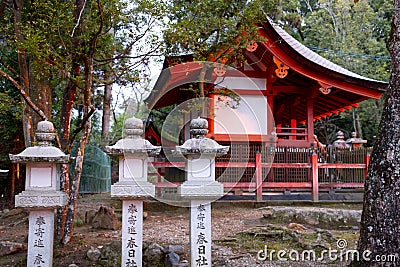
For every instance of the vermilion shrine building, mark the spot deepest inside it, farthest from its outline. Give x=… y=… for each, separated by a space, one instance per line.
x=283 y=88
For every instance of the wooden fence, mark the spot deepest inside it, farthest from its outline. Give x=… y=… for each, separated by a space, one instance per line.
x=257 y=169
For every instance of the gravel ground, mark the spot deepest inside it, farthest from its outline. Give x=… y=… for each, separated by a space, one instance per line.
x=172 y=228
x=164 y=225
x=227 y=220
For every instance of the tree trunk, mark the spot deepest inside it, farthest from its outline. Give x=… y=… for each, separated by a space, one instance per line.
x=105 y=126
x=62 y=212
x=65 y=123
x=27 y=126
x=65 y=129
x=380 y=222
x=76 y=178
x=23 y=73
x=70 y=89
x=202 y=79
x=357 y=123
x=40 y=93
x=66 y=107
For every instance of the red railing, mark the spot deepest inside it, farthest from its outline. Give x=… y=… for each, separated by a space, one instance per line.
x=256 y=175
x=291 y=133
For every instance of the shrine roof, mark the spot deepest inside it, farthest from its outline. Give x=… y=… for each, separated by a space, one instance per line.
x=312 y=56
x=308 y=63
x=307 y=70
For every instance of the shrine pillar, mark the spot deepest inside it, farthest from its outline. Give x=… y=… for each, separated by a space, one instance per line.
x=310 y=120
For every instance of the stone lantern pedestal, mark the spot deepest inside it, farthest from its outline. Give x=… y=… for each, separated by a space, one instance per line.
x=41 y=195
x=200 y=188
x=132 y=187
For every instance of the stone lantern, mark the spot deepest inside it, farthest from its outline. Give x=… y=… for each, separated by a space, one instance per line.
x=340 y=142
x=41 y=195
x=355 y=142
x=132 y=187
x=200 y=188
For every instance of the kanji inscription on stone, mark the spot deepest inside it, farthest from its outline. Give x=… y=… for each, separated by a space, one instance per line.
x=132 y=231
x=40 y=238
x=200 y=233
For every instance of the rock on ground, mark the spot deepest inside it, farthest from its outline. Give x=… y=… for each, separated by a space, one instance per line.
x=326 y=218
x=7 y=248
x=110 y=254
x=105 y=219
x=93 y=254
x=171 y=259
x=153 y=254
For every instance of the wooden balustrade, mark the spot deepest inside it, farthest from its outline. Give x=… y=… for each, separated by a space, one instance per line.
x=312 y=173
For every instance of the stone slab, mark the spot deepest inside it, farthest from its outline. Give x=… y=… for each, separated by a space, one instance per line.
x=132 y=233
x=200 y=233
x=41 y=199
x=40 y=238
x=193 y=190
x=124 y=190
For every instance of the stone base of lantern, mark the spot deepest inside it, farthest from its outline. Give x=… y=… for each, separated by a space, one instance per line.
x=41 y=199
x=195 y=190
x=129 y=190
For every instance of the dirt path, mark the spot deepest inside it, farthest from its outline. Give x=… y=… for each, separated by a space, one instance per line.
x=234 y=233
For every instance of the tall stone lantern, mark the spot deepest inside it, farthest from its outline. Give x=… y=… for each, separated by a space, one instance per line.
x=41 y=195
x=132 y=187
x=200 y=188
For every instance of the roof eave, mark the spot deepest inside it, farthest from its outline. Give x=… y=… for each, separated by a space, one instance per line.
x=287 y=54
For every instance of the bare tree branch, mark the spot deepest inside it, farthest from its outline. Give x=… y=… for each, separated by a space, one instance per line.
x=79 y=19
x=27 y=99
x=99 y=31
x=81 y=127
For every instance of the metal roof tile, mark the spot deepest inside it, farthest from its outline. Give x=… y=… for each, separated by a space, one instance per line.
x=311 y=55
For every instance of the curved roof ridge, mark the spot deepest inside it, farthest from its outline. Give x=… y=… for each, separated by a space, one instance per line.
x=312 y=56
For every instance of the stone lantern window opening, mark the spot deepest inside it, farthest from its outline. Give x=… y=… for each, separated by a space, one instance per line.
x=201 y=168
x=132 y=168
x=41 y=176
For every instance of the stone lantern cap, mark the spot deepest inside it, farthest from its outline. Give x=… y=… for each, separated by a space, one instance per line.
x=133 y=143
x=355 y=140
x=340 y=135
x=199 y=143
x=44 y=151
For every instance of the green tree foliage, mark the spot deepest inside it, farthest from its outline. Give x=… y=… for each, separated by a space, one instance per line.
x=354 y=36
x=67 y=49
x=52 y=40
x=10 y=123
x=10 y=112
x=211 y=29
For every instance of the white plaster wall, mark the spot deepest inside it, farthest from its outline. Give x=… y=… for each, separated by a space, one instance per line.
x=249 y=116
